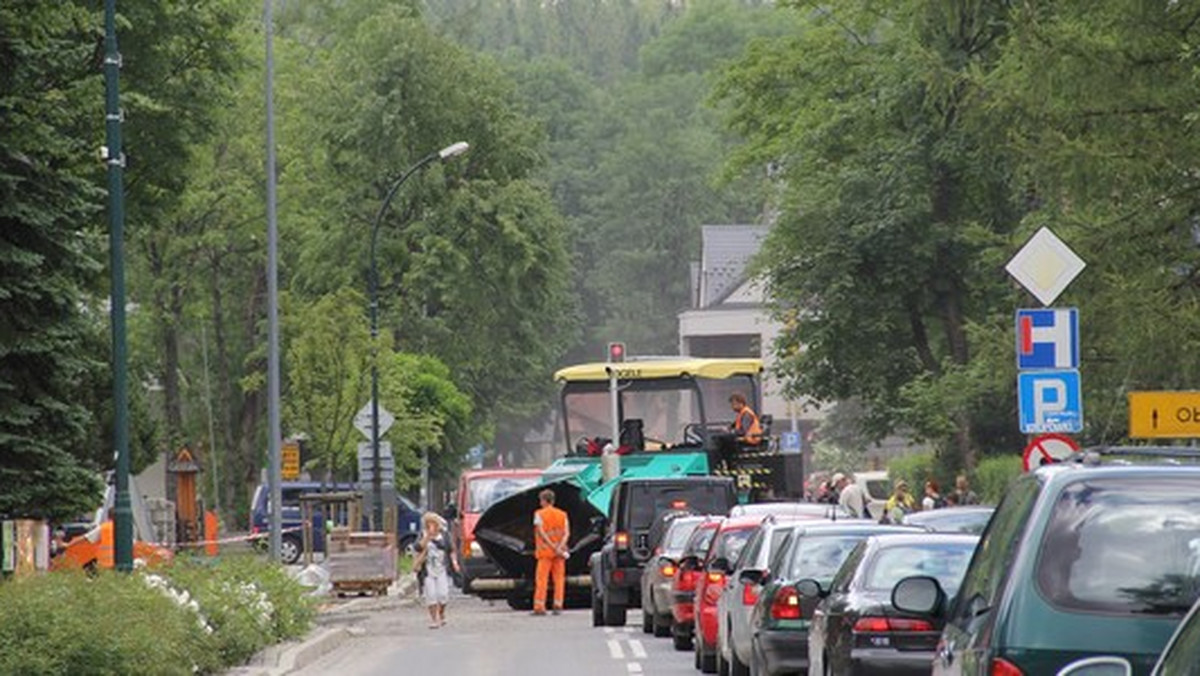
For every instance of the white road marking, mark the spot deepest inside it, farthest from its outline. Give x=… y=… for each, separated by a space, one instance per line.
x=614 y=649
x=609 y=630
x=634 y=667
x=638 y=650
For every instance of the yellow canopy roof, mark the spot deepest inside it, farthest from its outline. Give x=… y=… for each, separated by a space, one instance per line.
x=650 y=369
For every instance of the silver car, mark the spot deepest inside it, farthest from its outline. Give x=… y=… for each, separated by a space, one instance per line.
x=739 y=595
x=660 y=573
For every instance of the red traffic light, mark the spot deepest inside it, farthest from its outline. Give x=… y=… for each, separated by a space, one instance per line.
x=616 y=351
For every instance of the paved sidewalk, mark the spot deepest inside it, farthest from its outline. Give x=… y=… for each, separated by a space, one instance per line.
x=335 y=624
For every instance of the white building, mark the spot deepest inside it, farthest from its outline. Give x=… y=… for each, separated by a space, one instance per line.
x=728 y=316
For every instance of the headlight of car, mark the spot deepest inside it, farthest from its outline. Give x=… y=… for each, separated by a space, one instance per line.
x=476 y=550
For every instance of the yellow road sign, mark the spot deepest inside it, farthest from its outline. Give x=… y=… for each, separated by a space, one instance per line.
x=1164 y=414
x=290 y=461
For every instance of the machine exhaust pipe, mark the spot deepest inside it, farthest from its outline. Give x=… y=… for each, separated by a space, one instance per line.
x=498 y=584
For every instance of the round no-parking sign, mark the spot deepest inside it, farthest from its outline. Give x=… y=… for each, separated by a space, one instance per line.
x=1048 y=448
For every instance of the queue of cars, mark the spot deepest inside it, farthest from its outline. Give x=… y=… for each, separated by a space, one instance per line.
x=1085 y=568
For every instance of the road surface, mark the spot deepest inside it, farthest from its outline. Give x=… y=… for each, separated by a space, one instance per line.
x=484 y=639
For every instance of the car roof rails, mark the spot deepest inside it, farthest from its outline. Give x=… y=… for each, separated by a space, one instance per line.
x=1092 y=455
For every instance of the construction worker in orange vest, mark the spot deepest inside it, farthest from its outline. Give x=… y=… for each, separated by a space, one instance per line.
x=745 y=426
x=551 y=532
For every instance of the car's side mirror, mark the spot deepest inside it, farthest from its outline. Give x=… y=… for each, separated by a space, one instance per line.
x=919 y=594
x=1098 y=666
x=752 y=576
x=811 y=589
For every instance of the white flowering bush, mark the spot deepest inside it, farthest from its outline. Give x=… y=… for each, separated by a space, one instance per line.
x=109 y=623
x=248 y=604
x=196 y=616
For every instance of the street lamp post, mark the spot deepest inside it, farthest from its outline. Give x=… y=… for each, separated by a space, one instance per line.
x=122 y=507
x=376 y=480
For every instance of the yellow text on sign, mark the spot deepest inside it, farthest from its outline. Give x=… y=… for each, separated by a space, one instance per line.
x=289 y=456
x=1164 y=414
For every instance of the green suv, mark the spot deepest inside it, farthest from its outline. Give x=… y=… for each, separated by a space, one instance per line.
x=1080 y=559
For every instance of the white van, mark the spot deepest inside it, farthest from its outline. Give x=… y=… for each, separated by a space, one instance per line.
x=878 y=488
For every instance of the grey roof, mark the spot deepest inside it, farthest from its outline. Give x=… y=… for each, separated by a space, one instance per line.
x=725 y=252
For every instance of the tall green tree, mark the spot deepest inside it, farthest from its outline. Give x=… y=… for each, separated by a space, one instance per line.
x=179 y=68
x=894 y=192
x=472 y=254
x=48 y=200
x=1104 y=99
x=328 y=365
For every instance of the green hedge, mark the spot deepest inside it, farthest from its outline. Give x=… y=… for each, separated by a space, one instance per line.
x=994 y=475
x=991 y=479
x=193 y=617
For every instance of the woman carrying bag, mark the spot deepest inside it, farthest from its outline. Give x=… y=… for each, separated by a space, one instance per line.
x=434 y=559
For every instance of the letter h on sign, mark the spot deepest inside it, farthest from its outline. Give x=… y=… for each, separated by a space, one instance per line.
x=1048 y=339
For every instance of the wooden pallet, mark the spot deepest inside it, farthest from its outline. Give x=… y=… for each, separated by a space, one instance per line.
x=378 y=587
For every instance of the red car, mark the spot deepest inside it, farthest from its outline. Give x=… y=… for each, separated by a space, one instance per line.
x=717 y=564
x=683 y=587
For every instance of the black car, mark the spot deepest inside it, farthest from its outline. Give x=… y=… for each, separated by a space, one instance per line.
x=780 y=619
x=970 y=520
x=637 y=504
x=857 y=631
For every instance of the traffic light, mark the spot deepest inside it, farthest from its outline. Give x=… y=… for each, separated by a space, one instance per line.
x=616 y=352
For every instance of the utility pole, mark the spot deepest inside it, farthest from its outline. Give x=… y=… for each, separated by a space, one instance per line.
x=274 y=435
x=115 y=159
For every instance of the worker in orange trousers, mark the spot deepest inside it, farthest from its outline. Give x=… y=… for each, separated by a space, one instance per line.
x=551 y=533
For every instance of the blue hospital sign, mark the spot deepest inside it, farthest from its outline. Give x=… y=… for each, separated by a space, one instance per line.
x=1048 y=339
x=1050 y=401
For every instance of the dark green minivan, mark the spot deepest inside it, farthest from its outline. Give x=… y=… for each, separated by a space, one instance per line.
x=1079 y=560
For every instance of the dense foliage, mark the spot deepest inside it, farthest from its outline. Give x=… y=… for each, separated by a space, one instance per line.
x=901 y=150
x=194 y=617
x=918 y=145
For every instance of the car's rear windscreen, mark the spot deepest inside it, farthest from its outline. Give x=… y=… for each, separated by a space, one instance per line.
x=1124 y=546
x=647 y=501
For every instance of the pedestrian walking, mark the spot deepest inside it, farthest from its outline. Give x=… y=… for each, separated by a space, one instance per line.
x=435 y=557
x=933 y=497
x=851 y=495
x=551 y=533
x=963 y=495
x=899 y=504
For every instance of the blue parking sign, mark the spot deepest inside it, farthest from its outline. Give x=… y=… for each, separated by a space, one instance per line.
x=789 y=442
x=1050 y=401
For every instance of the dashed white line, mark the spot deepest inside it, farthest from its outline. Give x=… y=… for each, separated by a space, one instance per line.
x=614 y=649
x=638 y=650
x=634 y=667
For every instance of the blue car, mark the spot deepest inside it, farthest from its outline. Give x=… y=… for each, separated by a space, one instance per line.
x=408 y=522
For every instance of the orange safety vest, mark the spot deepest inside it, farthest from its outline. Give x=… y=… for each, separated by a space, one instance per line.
x=554 y=525
x=751 y=433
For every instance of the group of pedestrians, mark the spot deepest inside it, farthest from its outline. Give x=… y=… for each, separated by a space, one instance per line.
x=843 y=490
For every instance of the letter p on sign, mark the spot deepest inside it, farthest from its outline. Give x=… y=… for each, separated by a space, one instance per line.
x=1050 y=401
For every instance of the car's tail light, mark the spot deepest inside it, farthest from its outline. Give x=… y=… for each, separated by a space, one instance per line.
x=786 y=604
x=749 y=594
x=621 y=540
x=1002 y=667
x=882 y=625
x=715 y=577
x=667 y=570
x=685 y=580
